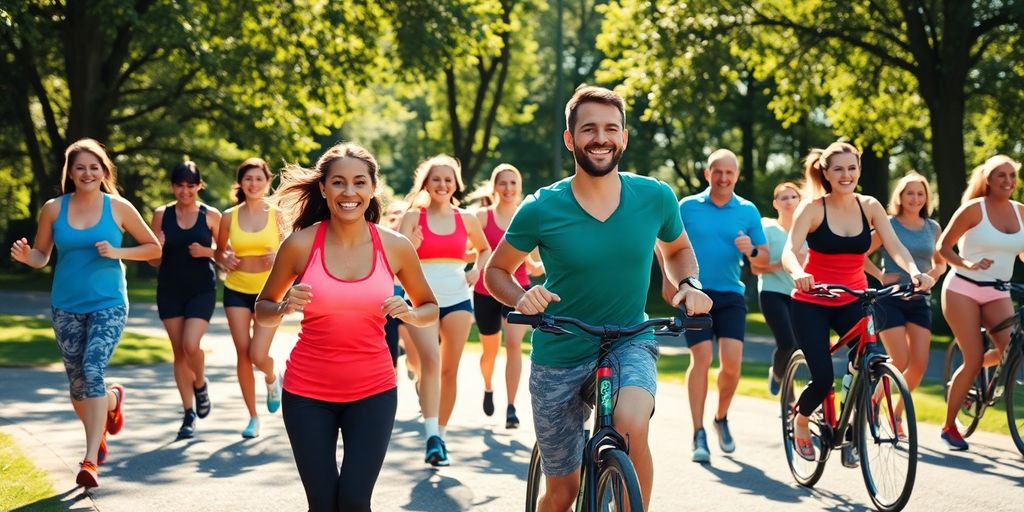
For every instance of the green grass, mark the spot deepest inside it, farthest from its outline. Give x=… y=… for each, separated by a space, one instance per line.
x=21 y=483
x=28 y=341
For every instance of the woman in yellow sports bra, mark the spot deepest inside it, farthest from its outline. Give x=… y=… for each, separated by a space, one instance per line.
x=250 y=233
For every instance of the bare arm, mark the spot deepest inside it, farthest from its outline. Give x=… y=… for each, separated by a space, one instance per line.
x=157 y=226
x=131 y=221
x=410 y=228
x=965 y=218
x=678 y=262
x=270 y=305
x=223 y=256
x=402 y=258
x=802 y=219
x=479 y=243
x=39 y=255
x=899 y=253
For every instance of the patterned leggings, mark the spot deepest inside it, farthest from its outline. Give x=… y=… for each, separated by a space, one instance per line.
x=86 y=343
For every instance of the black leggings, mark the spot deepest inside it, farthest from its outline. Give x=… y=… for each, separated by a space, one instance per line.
x=812 y=334
x=775 y=308
x=365 y=426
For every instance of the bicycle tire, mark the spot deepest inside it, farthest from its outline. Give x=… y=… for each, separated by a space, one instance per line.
x=617 y=481
x=884 y=455
x=1015 y=400
x=534 y=480
x=969 y=413
x=806 y=473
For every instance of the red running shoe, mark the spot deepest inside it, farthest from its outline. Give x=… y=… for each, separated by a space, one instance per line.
x=88 y=476
x=953 y=439
x=115 y=418
x=101 y=456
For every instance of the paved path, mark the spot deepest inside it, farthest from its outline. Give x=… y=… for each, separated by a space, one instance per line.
x=218 y=470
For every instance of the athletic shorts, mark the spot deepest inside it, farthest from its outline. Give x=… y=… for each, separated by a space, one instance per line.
x=896 y=312
x=171 y=303
x=233 y=299
x=466 y=305
x=980 y=294
x=86 y=342
x=559 y=411
x=729 y=317
x=489 y=313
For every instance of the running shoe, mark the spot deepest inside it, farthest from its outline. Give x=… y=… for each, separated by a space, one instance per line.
x=437 y=453
x=115 y=418
x=489 y=403
x=188 y=425
x=953 y=439
x=774 y=384
x=203 y=404
x=725 y=441
x=252 y=429
x=848 y=456
x=511 y=420
x=101 y=455
x=900 y=434
x=88 y=475
x=701 y=453
x=274 y=394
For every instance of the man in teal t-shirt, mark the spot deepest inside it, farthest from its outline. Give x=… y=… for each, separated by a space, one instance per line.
x=596 y=232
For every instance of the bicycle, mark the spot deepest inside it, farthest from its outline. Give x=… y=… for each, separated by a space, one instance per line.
x=867 y=411
x=608 y=480
x=999 y=382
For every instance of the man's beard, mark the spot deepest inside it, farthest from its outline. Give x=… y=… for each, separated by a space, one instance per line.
x=591 y=168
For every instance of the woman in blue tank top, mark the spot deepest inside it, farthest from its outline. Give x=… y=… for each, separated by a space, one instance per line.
x=89 y=298
x=905 y=324
x=186 y=286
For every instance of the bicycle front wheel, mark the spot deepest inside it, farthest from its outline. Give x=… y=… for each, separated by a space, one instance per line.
x=796 y=378
x=534 y=481
x=1015 y=401
x=618 y=489
x=887 y=443
x=969 y=413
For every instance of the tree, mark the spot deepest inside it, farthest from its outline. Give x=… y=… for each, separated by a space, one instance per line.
x=156 y=80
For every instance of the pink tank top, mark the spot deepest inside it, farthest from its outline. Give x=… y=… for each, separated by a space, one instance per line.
x=493 y=233
x=341 y=354
x=451 y=247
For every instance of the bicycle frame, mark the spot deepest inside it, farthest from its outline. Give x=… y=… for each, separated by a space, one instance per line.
x=604 y=434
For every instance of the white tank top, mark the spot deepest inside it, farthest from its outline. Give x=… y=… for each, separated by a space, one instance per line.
x=985 y=241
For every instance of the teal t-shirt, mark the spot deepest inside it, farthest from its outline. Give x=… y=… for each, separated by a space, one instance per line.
x=779 y=281
x=600 y=270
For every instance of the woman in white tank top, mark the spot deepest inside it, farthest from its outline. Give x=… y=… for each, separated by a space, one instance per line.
x=989 y=234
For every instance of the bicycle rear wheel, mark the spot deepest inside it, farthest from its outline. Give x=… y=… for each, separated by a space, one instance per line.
x=888 y=460
x=618 y=489
x=805 y=472
x=534 y=481
x=1015 y=401
x=969 y=413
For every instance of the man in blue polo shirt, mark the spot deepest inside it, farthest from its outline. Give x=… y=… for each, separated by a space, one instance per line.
x=724 y=229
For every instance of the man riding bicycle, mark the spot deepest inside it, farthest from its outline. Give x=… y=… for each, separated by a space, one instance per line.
x=596 y=232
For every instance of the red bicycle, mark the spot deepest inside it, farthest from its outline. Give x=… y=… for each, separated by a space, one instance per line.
x=888 y=453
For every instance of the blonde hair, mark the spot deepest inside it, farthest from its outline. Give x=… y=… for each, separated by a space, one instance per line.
x=109 y=182
x=896 y=201
x=484 y=192
x=816 y=163
x=977 y=186
x=783 y=186
x=418 y=196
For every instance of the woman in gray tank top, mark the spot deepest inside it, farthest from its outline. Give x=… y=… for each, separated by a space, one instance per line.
x=905 y=325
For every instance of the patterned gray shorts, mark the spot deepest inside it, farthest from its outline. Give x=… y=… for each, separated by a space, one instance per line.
x=86 y=342
x=559 y=411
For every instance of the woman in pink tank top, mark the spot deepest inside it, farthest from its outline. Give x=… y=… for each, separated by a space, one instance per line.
x=504 y=191
x=339 y=375
x=989 y=235
x=440 y=232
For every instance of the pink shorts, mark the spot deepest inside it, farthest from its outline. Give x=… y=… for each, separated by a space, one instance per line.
x=980 y=294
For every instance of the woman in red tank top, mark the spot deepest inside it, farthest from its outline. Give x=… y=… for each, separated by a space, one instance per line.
x=503 y=192
x=836 y=223
x=440 y=231
x=339 y=375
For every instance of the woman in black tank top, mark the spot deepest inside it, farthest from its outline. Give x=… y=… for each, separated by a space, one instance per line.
x=186 y=287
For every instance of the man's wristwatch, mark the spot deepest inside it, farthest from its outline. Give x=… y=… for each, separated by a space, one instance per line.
x=754 y=253
x=692 y=281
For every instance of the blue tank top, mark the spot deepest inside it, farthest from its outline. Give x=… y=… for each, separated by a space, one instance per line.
x=84 y=281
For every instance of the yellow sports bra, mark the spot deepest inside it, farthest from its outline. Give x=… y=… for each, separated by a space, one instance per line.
x=257 y=243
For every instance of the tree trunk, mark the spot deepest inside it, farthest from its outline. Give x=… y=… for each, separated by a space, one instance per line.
x=947 y=124
x=874 y=175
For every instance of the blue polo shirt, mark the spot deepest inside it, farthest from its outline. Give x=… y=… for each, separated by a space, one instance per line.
x=713 y=231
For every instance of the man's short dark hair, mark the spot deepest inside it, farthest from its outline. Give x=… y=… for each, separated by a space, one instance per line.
x=592 y=94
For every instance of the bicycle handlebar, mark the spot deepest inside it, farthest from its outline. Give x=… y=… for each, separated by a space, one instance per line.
x=677 y=324
x=896 y=290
